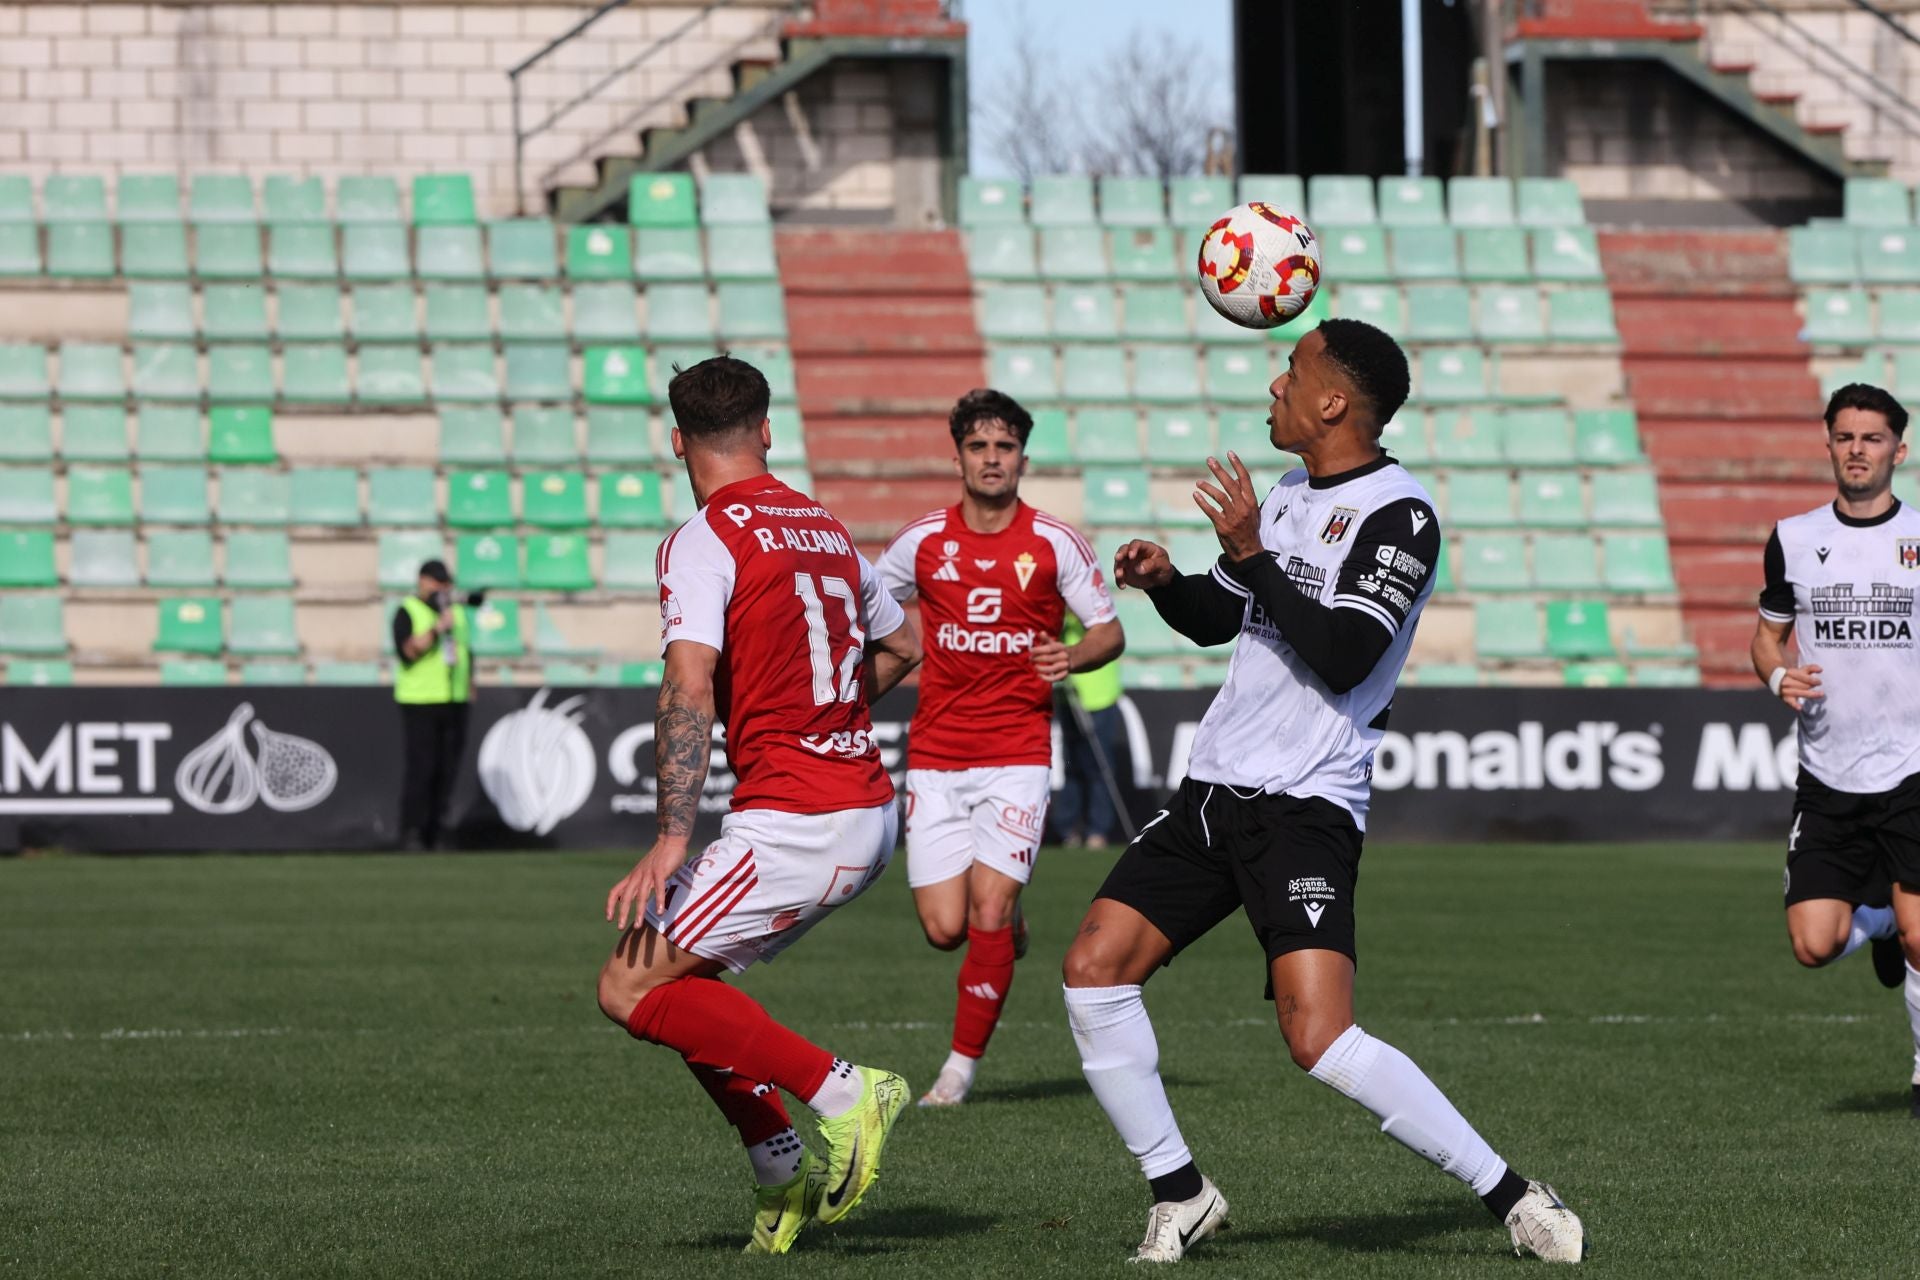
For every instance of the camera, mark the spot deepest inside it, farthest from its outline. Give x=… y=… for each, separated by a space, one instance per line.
x=440 y=600
x=476 y=598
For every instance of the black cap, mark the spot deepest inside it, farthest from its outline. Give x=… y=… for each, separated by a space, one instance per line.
x=437 y=570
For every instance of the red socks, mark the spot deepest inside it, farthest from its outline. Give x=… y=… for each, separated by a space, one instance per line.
x=985 y=977
x=753 y=1108
x=717 y=1026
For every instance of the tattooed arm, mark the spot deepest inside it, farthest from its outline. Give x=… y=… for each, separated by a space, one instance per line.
x=682 y=739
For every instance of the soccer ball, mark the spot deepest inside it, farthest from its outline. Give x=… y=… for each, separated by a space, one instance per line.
x=1259 y=265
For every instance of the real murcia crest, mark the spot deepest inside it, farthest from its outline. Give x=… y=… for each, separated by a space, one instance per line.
x=1023 y=566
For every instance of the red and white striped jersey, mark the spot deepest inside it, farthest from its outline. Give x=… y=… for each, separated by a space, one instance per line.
x=771 y=579
x=984 y=599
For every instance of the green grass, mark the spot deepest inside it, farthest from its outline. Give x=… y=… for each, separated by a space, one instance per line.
x=386 y=1066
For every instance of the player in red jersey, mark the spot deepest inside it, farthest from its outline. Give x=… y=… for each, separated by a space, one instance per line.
x=994 y=577
x=776 y=627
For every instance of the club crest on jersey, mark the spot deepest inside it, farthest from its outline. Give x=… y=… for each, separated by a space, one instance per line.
x=1023 y=566
x=1909 y=553
x=1338 y=523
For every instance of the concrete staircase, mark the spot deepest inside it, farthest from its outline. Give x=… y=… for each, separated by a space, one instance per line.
x=1729 y=411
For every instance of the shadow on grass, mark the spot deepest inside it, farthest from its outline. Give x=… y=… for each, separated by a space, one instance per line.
x=879 y=1229
x=1060 y=1087
x=1386 y=1232
x=1872 y=1103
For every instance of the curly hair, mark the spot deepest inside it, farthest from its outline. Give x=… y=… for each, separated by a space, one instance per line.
x=1372 y=362
x=983 y=404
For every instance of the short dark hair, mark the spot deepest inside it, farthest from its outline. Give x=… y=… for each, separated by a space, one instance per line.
x=1871 y=399
x=718 y=396
x=984 y=404
x=1372 y=361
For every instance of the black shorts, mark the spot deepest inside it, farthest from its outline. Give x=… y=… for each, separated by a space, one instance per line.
x=1851 y=846
x=1291 y=862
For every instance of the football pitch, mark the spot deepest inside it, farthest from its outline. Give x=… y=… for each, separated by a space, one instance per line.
x=385 y=1066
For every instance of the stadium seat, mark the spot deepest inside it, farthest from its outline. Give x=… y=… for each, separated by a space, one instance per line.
x=449 y=253
x=241 y=434
x=522 y=249
x=84 y=251
x=26 y=496
x=1234 y=376
x=1451 y=373
x=465 y=373
x=1001 y=253
x=367 y=200
x=730 y=199
x=751 y=310
x=1578 y=629
x=16 y=199
x=1282 y=190
x=1509 y=313
x=1147 y=635
x=1507 y=629
x=544 y=436
x=1439 y=313
x=1107 y=436
x=616 y=375
x=1411 y=202
x=1494 y=253
x=161 y=310
x=1594 y=675
x=1425 y=253
x=26 y=431
x=1606 y=437
x=1469 y=438
x=316 y=373
x=679 y=313
x=1012 y=312
x=235 y=313
x=1199 y=201
x=1155 y=313
x=1537 y=438
x=742 y=253
x=192 y=673
x=1890 y=256
x=302 y=253
x=1899 y=315
x=641 y=674
x=1552 y=499
x=534 y=312
x=98 y=432
x=91 y=371
x=167 y=433
x=558 y=562
x=460 y=313
x=1822 y=255
x=1116 y=496
x=292 y=201
x=619 y=436
x=554 y=500
x=385 y=313
x=270 y=672
x=1479 y=500
x=1143 y=253
x=1334 y=199
x=1354 y=254
x=1165 y=373
x=180 y=558
x=1549 y=202
x=487 y=561
x=1625 y=498
x=1180 y=437
x=26 y=559
x=402 y=554
x=142 y=197
x=1209 y=326
x=597 y=251
x=985 y=201
x=1096 y=373
x=169 y=495
x=40 y=672
x=1062 y=200
x=496 y=630
x=188 y=625
x=1494 y=562
x=19 y=249
x=325 y=496
x=1566 y=253
x=1877 y=202
x=662 y=200
x=479 y=500
x=1083 y=313
x=442 y=199
x=1074 y=253
x=98 y=495
x=401 y=496
x=1406 y=438
x=249 y=495
x=1564 y=562
x=1023 y=372
x=539 y=371
x=1133 y=202
x=1480 y=202
x=668 y=253
x=236 y=372
x=1049 y=444
x=1581 y=315
x=32 y=624
x=23 y=372
x=374 y=251
x=1637 y=562
x=262 y=624
x=630 y=500
x=1379 y=305
x=227 y=252
x=356 y=674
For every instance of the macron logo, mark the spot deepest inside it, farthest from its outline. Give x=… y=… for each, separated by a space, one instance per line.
x=1314 y=911
x=1419 y=521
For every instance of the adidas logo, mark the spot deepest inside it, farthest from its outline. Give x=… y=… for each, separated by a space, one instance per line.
x=948 y=572
x=983 y=991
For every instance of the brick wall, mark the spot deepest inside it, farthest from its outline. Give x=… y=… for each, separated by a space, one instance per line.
x=330 y=89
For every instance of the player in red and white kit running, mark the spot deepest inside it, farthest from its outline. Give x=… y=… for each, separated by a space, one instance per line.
x=777 y=628
x=994 y=577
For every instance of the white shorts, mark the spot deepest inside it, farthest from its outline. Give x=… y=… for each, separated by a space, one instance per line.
x=957 y=817
x=770 y=877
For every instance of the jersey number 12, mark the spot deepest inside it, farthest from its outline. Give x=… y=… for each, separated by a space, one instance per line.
x=822 y=638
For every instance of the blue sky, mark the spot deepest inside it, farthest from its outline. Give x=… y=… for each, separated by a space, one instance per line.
x=1083 y=32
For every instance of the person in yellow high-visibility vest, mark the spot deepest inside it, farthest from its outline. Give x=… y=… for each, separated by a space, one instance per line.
x=431 y=683
x=1083 y=811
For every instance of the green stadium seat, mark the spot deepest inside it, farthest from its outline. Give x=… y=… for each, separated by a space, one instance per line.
x=1210 y=326
x=1405 y=438
x=1013 y=312
x=601 y=313
x=19 y=249
x=1469 y=438
x=1581 y=315
x=144 y=197
x=776 y=365
x=1451 y=374
x=223 y=252
x=292 y=201
x=1507 y=629
x=241 y=434
x=375 y=251
x=1048 y=445
x=402 y=554
x=303 y=313
x=1594 y=675
x=1637 y=562
x=350 y=674
x=26 y=559
x=731 y=199
x=1155 y=313
x=668 y=253
x=236 y=313
x=985 y=201
x=1660 y=675
x=1073 y=253
x=1822 y=255
x=180 y=558
x=1023 y=372
x=269 y=673
x=571 y=675
x=1133 y=202
x=555 y=500
x=1564 y=562
x=1116 y=496
x=1552 y=499
x=522 y=249
x=1143 y=253
x=326 y=496
x=1549 y=202
x=1494 y=253
x=544 y=436
x=89 y=433
x=1606 y=437
x=679 y=313
x=1199 y=201
x=1193 y=550
x=1379 y=305
x=315 y=373
x=789 y=451
x=167 y=433
x=1089 y=373
x=1062 y=200
x=996 y=253
x=616 y=375
x=630 y=500
x=40 y=673
x=26 y=495
x=189 y=625
x=496 y=630
x=32 y=624
x=1425 y=253
x=23 y=371
x=460 y=313
x=1147 y=635
x=1282 y=190
x=742 y=253
x=95 y=496
x=539 y=371
x=84 y=251
x=1165 y=373
x=1494 y=562
x=26 y=432
x=1354 y=254
x=619 y=436
x=1334 y=199
x=1510 y=313
x=1237 y=376
x=217 y=197
x=465 y=373
x=16 y=199
x=1877 y=202
x=1411 y=202
x=1443 y=675
x=1439 y=313
x=751 y=310
x=236 y=372
x=449 y=253
x=1083 y=313
x=1578 y=629
x=390 y=375
x=641 y=675
x=401 y=496
x=368 y=200
x=599 y=251
x=487 y=562
x=302 y=253
x=662 y=200
x=1890 y=256
x=1537 y=438
x=163 y=311
x=263 y=625
x=479 y=500
x=1480 y=202
x=171 y=495
x=1899 y=315
x=1625 y=498
x=385 y=313
x=1479 y=500
x=1107 y=436
x=1566 y=253
x=1179 y=437
x=91 y=371
x=249 y=495
x=1906 y=371
x=443 y=199
x=558 y=562
x=192 y=673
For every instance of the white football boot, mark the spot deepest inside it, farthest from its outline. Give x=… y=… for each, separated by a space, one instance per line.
x=1175 y=1226
x=1546 y=1228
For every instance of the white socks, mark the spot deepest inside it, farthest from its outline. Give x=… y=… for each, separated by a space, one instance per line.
x=961 y=1065
x=839 y=1093
x=1913 y=1015
x=776 y=1160
x=1121 y=1060
x=1869 y=924
x=1412 y=1110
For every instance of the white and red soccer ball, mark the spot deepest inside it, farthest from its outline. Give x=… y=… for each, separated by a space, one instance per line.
x=1259 y=265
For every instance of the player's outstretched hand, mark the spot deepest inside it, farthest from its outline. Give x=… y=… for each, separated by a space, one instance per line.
x=1050 y=659
x=1142 y=564
x=1799 y=684
x=1234 y=508
x=646 y=882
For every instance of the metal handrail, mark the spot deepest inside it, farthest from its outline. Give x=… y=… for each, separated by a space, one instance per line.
x=1809 y=43
x=1905 y=32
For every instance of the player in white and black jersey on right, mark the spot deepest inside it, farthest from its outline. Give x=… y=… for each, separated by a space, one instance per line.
x=1841 y=580
x=1322 y=584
